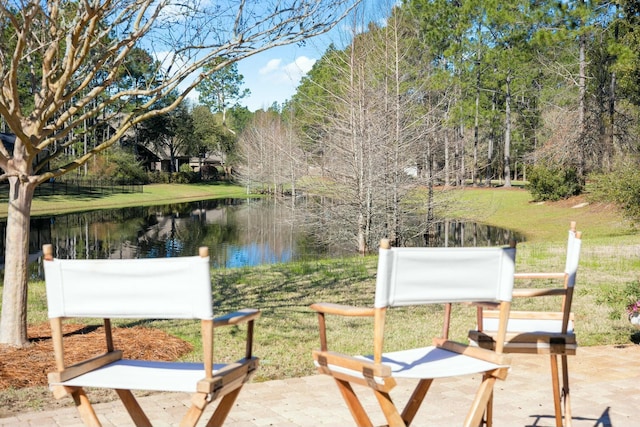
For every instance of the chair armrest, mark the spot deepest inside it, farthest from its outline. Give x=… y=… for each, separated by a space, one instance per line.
x=240 y=316
x=539 y=276
x=483 y=304
x=228 y=377
x=85 y=366
x=475 y=352
x=355 y=370
x=325 y=358
x=342 y=310
x=525 y=293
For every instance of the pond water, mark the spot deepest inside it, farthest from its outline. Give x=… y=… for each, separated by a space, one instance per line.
x=239 y=232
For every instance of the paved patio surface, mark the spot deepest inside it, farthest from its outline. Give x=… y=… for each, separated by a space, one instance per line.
x=605 y=391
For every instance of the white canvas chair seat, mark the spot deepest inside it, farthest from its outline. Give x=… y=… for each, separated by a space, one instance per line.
x=427 y=362
x=143 y=375
x=169 y=288
x=549 y=333
x=531 y=335
x=529 y=325
x=417 y=276
x=434 y=362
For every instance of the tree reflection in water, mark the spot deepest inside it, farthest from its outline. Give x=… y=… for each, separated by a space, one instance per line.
x=239 y=232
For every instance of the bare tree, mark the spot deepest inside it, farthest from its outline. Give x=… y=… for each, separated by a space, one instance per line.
x=260 y=146
x=61 y=62
x=372 y=116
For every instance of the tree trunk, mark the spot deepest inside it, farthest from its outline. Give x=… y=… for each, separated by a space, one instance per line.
x=582 y=86
x=490 y=144
x=475 y=172
x=13 y=323
x=507 y=135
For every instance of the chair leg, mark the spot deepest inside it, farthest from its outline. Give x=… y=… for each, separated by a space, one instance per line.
x=198 y=403
x=488 y=419
x=565 y=391
x=133 y=408
x=223 y=408
x=480 y=402
x=389 y=409
x=357 y=411
x=87 y=414
x=415 y=401
x=555 y=382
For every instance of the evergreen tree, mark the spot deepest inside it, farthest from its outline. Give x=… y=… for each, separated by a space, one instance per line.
x=221 y=90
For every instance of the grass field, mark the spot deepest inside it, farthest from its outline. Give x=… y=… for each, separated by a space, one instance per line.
x=155 y=194
x=286 y=333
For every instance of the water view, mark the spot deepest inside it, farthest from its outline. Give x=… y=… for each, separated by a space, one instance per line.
x=239 y=232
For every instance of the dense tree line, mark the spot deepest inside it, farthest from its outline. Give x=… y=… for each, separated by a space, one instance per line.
x=451 y=93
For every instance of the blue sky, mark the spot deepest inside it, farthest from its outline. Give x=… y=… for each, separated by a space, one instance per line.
x=273 y=76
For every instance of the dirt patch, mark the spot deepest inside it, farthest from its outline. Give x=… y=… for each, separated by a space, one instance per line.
x=23 y=372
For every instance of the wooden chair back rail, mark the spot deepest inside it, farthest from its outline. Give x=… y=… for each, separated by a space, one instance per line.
x=172 y=288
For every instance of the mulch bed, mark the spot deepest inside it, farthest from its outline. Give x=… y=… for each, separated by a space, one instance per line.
x=28 y=367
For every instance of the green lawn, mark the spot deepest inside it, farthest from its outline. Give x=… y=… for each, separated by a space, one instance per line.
x=153 y=194
x=287 y=331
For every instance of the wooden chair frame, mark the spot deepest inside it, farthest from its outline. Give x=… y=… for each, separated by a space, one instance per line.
x=377 y=375
x=222 y=382
x=555 y=335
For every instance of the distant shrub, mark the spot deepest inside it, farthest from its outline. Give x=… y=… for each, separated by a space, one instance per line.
x=209 y=173
x=118 y=165
x=622 y=187
x=181 y=177
x=553 y=183
x=157 y=177
x=185 y=168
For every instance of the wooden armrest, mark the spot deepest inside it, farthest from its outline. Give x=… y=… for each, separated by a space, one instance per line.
x=523 y=293
x=529 y=315
x=325 y=358
x=486 y=304
x=85 y=366
x=342 y=310
x=539 y=276
x=228 y=377
x=240 y=316
x=476 y=352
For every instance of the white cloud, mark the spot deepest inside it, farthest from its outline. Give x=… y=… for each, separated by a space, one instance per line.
x=274 y=75
x=273 y=66
x=276 y=71
x=301 y=66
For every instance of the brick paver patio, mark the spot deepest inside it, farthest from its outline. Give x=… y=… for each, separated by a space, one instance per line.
x=605 y=391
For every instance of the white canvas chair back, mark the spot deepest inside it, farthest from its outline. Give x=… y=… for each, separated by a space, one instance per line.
x=574 y=246
x=413 y=276
x=168 y=288
x=558 y=322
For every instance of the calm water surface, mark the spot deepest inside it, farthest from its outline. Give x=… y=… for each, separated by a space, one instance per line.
x=239 y=232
